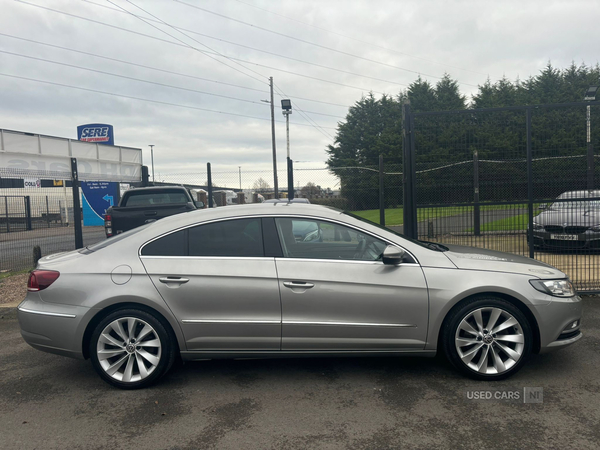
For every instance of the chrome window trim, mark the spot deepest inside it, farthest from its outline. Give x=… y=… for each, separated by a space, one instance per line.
x=295 y=216
x=345 y=261
x=239 y=321
x=350 y=324
x=185 y=227
x=226 y=258
x=275 y=216
x=46 y=313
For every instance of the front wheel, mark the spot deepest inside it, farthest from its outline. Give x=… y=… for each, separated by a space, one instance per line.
x=131 y=349
x=487 y=338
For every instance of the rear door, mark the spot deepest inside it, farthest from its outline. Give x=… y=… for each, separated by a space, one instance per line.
x=218 y=282
x=337 y=295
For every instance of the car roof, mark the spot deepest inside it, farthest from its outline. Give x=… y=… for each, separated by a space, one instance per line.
x=253 y=209
x=580 y=194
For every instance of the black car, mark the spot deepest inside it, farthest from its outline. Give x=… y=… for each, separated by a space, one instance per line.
x=572 y=221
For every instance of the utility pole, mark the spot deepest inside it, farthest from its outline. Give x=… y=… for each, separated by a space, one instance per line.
x=152 y=158
x=240 y=169
x=273 y=140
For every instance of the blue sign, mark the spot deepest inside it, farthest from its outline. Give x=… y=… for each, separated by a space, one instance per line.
x=98 y=133
x=97 y=197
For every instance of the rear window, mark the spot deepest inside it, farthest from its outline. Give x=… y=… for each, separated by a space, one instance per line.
x=155 y=198
x=113 y=240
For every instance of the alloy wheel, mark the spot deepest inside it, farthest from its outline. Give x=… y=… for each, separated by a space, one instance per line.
x=129 y=349
x=489 y=340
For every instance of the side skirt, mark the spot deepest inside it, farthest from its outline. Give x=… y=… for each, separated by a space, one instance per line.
x=198 y=356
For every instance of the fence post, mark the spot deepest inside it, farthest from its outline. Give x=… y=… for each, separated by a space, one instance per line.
x=76 y=205
x=381 y=194
x=590 y=152
x=6 y=213
x=28 y=213
x=529 y=186
x=408 y=174
x=476 y=208
x=290 y=168
x=210 y=193
x=47 y=212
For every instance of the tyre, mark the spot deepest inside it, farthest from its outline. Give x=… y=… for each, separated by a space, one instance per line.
x=131 y=349
x=487 y=338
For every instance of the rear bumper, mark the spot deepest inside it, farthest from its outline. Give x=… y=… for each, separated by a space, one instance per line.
x=53 y=328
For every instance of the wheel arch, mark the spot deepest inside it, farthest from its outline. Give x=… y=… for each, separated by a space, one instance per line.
x=509 y=298
x=101 y=314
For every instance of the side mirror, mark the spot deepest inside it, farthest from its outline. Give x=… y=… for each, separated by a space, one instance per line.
x=393 y=255
x=199 y=204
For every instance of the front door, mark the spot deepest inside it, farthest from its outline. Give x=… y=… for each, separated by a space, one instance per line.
x=337 y=295
x=219 y=285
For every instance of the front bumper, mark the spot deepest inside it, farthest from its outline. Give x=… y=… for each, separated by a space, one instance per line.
x=555 y=321
x=53 y=328
x=587 y=240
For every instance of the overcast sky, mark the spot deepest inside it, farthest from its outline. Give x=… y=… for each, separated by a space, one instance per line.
x=378 y=46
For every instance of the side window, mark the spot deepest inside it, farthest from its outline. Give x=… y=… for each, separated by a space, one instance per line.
x=316 y=239
x=240 y=237
x=171 y=245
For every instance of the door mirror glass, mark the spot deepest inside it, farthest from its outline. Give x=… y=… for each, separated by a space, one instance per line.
x=393 y=255
x=199 y=204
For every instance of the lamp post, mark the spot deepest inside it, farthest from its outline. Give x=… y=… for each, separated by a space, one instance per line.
x=152 y=159
x=590 y=96
x=286 y=106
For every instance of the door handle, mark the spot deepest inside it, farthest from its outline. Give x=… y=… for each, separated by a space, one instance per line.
x=298 y=284
x=174 y=280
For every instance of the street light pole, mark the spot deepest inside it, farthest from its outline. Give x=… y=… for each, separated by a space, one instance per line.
x=276 y=188
x=152 y=159
x=286 y=106
x=240 y=169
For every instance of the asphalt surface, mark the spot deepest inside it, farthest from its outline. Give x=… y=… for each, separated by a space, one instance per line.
x=51 y=402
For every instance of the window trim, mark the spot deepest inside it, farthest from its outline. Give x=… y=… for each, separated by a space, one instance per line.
x=361 y=230
x=186 y=228
x=283 y=216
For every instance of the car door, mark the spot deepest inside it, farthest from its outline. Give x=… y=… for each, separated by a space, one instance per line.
x=337 y=295
x=218 y=282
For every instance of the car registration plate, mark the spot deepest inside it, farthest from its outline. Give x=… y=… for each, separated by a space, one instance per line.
x=564 y=237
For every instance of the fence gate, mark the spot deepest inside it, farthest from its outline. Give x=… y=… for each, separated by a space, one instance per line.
x=522 y=180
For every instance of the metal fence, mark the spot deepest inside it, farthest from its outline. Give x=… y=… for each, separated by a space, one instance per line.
x=518 y=180
x=39 y=212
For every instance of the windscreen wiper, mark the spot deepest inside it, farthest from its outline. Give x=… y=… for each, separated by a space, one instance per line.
x=435 y=246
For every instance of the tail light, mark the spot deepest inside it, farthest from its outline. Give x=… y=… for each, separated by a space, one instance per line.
x=41 y=279
x=108 y=225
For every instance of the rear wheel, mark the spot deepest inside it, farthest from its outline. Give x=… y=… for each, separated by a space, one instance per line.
x=131 y=349
x=487 y=338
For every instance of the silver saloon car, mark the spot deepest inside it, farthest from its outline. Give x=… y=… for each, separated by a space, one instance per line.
x=237 y=282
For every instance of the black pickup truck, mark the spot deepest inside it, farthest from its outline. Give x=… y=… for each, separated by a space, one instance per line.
x=144 y=205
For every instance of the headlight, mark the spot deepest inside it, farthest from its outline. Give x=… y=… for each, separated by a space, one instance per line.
x=596 y=228
x=537 y=227
x=557 y=288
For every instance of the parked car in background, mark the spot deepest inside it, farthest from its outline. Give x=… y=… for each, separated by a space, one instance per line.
x=572 y=221
x=145 y=205
x=239 y=282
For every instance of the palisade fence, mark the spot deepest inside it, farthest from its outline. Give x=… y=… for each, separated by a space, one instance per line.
x=42 y=209
x=483 y=178
x=490 y=179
